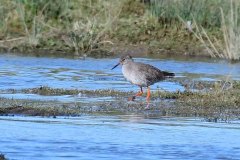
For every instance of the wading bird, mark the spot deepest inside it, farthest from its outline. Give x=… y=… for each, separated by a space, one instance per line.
x=142 y=75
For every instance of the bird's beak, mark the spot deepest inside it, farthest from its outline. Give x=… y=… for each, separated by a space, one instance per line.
x=115 y=66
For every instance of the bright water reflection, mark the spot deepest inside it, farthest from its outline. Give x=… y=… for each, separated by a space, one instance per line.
x=29 y=72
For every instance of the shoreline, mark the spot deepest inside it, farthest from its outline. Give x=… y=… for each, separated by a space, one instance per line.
x=103 y=53
x=171 y=43
x=188 y=103
x=79 y=29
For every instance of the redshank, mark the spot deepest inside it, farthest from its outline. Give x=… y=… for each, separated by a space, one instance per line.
x=142 y=75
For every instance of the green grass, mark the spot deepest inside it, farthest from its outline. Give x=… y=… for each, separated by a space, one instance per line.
x=86 y=26
x=205 y=12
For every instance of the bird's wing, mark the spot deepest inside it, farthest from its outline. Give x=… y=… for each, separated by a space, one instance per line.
x=151 y=73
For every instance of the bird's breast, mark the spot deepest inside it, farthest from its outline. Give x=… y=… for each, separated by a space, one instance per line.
x=134 y=76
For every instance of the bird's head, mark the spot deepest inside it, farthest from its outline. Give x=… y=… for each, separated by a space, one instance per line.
x=123 y=60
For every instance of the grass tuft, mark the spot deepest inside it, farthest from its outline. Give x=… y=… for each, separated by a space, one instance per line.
x=227 y=45
x=87 y=26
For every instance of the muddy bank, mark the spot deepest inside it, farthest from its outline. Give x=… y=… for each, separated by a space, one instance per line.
x=178 y=49
x=56 y=52
x=215 y=103
x=182 y=107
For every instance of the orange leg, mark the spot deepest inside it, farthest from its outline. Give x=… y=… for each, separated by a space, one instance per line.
x=148 y=97
x=139 y=93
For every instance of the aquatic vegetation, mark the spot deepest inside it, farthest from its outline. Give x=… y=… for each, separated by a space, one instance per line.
x=215 y=102
x=44 y=90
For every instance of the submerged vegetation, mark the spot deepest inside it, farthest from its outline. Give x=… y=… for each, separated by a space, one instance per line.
x=215 y=101
x=104 y=27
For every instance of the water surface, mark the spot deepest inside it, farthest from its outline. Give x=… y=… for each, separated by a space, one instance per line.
x=110 y=137
x=117 y=137
x=29 y=72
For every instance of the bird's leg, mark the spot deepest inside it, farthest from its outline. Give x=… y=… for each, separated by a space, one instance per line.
x=148 y=97
x=139 y=93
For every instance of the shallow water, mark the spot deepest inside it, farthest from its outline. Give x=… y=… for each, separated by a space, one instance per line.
x=110 y=137
x=17 y=72
x=117 y=137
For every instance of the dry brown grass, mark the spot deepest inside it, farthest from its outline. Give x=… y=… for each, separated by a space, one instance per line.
x=228 y=47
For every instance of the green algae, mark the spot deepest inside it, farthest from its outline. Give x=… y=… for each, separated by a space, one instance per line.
x=186 y=105
x=212 y=104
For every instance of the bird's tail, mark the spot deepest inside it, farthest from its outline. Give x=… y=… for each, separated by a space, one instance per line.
x=168 y=74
